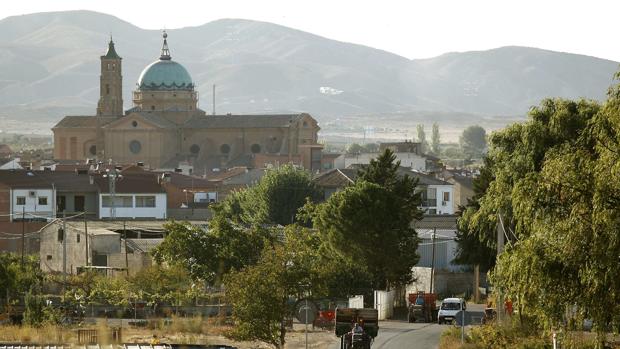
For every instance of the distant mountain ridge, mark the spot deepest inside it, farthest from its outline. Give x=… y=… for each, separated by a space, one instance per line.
x=50 y=66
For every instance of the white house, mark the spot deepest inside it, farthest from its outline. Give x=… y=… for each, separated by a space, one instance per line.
x=134 y=194
x=132 y=205
x=412 y=160
x=33 y=203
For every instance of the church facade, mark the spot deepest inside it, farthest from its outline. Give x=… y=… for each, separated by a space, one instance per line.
x=165 y=127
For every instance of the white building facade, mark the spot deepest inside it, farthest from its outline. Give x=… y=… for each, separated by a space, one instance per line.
x=133 y=205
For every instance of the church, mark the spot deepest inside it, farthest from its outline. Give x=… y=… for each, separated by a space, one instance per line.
x=165 y=128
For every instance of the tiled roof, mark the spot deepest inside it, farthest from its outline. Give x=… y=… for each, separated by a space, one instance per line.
x=62 y=181
x=182 y=181
x=336 y=178
x=248 y=177
x=249 y=121
x=82 y=121
x=132 y=182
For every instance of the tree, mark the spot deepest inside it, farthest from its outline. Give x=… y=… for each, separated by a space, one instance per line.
x=435 y=139
x=422 y=137
x=473 y=141
x=260 y=293
x=16 y=280
x=370 y=222
x=476 y=243
x=244 y=223
x=355 y=148
x=554 y=180
x=279 y=195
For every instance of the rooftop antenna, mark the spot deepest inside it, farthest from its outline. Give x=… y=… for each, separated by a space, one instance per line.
x=213 y=99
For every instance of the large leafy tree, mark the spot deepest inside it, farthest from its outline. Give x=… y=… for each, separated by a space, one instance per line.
x=370 y=222
x=473 y=141
x=476 y=243
x=244 y=223
x=554 y=180
x=260 y=294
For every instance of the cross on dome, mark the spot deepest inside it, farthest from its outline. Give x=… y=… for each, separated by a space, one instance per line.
x=165 y=51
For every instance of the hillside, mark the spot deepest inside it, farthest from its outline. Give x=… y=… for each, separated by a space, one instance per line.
x=50 y=66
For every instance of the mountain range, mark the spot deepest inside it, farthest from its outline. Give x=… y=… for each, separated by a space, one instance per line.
x=50 y=67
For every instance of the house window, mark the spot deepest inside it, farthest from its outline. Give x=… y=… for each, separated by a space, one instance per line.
x=43 y=200
x=255 y=148
x=145 y=201
x=21 y=200
x=92 y=150
x=446 y=196
x=107 y=89
x=225 y=148
x=194 y=149
x=78 y=238
x=119 y=201
x=49 y=257
x=432 y=211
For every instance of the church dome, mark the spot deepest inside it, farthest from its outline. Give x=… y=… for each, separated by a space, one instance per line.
x=165 y=74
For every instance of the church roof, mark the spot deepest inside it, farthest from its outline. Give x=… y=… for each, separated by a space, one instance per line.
x=243 y=121
x=83 y=121
x=165 y=74
x=111 y=53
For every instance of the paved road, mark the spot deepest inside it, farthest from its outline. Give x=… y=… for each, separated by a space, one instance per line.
x=401 y=334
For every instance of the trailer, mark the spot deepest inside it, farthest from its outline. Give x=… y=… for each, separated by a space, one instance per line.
x=422 y=306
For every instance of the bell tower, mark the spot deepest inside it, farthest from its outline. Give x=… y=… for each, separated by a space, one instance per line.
x=110 y=84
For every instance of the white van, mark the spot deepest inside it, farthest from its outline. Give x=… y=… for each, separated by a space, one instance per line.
x=448 y=309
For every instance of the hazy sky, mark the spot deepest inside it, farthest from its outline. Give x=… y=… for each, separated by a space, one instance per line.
x=412 y=28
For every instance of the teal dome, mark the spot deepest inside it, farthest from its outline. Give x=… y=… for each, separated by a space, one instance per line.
x=165 y=74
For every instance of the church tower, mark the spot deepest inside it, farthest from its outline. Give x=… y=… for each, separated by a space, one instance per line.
x=110 y=84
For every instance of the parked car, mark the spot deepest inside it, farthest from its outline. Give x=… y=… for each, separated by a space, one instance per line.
x=449 y=308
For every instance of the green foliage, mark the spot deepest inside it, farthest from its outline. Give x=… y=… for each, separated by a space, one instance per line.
x=476 y=238
x=370 y=222
x=260 y=293
x=435 y=140
x=279 y=195
x=163 y=285
x=473 y=141
x=244 y=223
x=34 y=314
x=422 y=137
x=555 y=180
x=355 y=148
x=16 y=280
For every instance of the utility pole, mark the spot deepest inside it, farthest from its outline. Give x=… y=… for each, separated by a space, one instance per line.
x=23 y=233
x=500 y=249
x=213 y=99
x=64 y=252
x=86 y=236
x=433 y=261
x=126 y=257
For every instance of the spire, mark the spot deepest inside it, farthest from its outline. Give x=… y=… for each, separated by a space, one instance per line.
x=165 y=52
x=111 y=53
